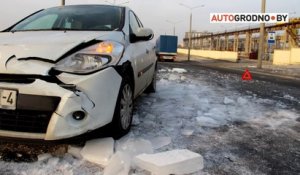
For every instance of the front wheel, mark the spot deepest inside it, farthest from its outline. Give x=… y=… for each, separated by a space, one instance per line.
x=123 y=111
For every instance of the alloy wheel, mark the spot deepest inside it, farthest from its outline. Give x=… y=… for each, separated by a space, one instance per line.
x=126 y=107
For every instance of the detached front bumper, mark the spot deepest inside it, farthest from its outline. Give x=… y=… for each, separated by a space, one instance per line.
x=45 y=110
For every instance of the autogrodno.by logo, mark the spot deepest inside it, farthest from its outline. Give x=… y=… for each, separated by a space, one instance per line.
x=248 y=17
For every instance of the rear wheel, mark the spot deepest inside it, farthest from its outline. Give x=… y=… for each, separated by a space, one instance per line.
x=124 y=111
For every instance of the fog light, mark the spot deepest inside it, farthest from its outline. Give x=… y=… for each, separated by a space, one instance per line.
x=78 y=115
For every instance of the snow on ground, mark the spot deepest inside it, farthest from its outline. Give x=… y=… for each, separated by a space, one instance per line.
x=184 y=110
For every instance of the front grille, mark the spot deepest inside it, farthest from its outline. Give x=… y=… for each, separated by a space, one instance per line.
x=24 y=121
x=27 y=79
x=16 y=80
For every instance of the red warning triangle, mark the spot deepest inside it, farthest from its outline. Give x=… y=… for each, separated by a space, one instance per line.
x=247 y=75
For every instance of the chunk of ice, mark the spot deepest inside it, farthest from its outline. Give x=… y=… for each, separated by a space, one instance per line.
x=173 y=77
x=170 y=162
x=288 y=97
x=228 y=101
x=242 y=101
x=119 y=164
x=179 y=70
x=182 y=78
x=150 y=117
x=134 y=146
x=160 y=142
x=43 y=157
x=53 y=161
x=75 y=151
x=162 y=70
x=135 y=120
x=206 y=121
x=187 y=132
x=98 y=151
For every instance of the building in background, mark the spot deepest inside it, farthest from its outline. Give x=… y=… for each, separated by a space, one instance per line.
x=245 y=40
x=195 y=43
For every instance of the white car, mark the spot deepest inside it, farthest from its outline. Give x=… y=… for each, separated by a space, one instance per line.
x=66 y=71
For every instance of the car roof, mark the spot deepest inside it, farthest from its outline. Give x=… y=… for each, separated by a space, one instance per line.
x=89 y=5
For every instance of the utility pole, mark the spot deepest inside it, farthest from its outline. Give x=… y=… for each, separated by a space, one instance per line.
x=190 y=33
x=63 y=2
x=261 y=49
x=115 y=2
x=174 y=25
x=174 y=31
x=190 y=36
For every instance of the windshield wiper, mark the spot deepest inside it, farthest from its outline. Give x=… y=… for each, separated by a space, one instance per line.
x=62 y=29
x=29 y=30
x=58 y=28
x=55 y=28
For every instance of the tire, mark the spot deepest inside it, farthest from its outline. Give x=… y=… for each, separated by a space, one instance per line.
x=152 y=87
x=123 y=114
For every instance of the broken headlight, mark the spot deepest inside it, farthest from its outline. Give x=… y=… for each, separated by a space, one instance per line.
x=92 y=58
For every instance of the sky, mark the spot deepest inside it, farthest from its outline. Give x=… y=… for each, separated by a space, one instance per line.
x=155 y=13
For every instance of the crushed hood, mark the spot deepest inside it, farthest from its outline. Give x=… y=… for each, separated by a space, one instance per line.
x=48 y=45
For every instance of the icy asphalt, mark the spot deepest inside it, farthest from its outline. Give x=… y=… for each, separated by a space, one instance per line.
x=238 y=127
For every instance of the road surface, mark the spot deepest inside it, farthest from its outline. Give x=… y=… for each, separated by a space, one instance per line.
x=238 y=127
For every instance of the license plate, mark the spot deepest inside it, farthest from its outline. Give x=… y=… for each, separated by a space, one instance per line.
x=8 y=99
x=168 y=57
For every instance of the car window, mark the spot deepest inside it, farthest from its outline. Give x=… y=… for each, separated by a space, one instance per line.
x=45 y=22
x=139 y=21
x=134 y=24
x=102 y=18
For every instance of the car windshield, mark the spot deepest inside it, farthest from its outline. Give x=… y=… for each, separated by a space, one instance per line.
x=83 y=18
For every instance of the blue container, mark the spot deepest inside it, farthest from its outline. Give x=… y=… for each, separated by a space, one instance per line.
x=166 y=45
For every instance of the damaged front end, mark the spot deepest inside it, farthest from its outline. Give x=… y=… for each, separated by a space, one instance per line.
x=53 y=101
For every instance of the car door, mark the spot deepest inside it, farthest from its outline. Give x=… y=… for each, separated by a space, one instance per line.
x=150 y=59
x=139 y=55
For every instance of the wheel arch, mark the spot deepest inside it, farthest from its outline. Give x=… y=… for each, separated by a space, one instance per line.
x=126 y=71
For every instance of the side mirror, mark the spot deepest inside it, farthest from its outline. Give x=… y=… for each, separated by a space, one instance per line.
x=142 y=34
